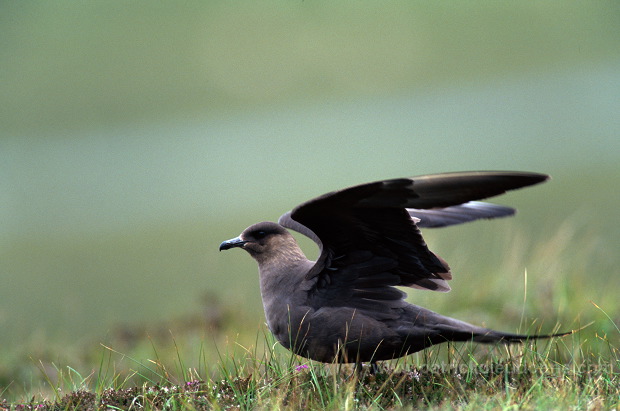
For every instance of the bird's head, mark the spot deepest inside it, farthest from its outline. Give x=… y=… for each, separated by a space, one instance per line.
x=263 y=241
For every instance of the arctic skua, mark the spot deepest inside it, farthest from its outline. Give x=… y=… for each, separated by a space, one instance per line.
x=345 y=306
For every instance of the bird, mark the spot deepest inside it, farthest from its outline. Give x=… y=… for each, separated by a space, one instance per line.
x=345 y=307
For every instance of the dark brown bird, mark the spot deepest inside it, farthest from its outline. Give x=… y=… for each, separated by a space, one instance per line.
x=344 y=307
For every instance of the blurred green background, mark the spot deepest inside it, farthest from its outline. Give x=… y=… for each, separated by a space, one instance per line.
x=136 y=136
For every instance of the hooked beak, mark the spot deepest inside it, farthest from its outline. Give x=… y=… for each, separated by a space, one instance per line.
x=233 y=242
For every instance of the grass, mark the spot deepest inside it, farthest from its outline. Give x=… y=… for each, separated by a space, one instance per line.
x=218 y=359
x=560 y=373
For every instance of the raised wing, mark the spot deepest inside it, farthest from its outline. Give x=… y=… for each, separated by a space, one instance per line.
x=368 y=235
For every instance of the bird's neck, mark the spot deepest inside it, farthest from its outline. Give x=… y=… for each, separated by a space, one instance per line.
x=284 y=253
x=287 y=268
x=281 y=282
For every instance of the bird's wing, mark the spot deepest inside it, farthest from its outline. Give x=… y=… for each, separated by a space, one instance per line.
x=368 y=235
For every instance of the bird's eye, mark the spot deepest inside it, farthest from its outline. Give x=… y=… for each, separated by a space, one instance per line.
x=259 y=235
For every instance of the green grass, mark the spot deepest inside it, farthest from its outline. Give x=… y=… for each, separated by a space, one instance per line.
x=560 y=373
x=220 y=357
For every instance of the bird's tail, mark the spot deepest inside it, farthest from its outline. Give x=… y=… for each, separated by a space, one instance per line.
x=436 y=328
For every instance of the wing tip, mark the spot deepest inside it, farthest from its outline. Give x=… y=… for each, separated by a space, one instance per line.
x=431 y=284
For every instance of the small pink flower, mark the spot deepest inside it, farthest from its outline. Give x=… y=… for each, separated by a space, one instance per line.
x=301 y=367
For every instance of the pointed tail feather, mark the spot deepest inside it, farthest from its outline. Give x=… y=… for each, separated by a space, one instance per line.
x=491 y=336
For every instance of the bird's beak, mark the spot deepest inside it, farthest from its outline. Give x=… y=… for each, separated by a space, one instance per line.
x=233 y=242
